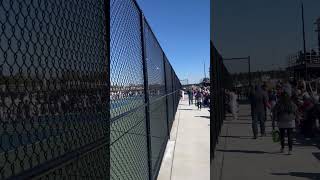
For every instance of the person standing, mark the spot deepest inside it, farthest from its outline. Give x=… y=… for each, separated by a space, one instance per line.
x=199 y=99
x=233 y=104
x=273 y=101
x=190 y=96
x=285 y=113
x=259 y=102
x=182 y=94
x=250 y=97
x=307 y=124
x=267 y=106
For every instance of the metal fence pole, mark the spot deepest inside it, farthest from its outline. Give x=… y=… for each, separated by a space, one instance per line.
x=166 y=86
x=107 y=41
x=146 y=95
x=173 y=94
x=249 y=64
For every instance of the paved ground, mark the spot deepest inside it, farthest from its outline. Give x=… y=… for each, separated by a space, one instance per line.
x=238 y=156
x=188 y=150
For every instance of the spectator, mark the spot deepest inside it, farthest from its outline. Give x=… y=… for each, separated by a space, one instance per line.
x=284 y=113
x=259 y=102
x=308 y=123
x=190 y=96
x=199 y=97
x=233 y=104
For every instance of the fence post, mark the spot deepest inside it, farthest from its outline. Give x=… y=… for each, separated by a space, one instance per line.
x=146 y=95
x=249 y=64
x=173 y=98
x=166 y=86
x=108 y=55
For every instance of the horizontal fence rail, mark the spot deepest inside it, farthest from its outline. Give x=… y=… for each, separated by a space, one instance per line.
x=145 y=93
x=54 y=85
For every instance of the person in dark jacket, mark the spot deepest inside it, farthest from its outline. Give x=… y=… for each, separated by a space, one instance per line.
x=250 y=97
x=259 y=103
x=190 y=96
x=199 y=97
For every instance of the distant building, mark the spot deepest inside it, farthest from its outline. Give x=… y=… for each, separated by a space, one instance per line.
x=304 y=66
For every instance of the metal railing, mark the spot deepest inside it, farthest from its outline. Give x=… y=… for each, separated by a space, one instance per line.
x=311 y=57
x=54 y=106
x=144 y=95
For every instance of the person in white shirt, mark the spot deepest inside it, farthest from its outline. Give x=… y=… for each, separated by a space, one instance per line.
x=234 y=104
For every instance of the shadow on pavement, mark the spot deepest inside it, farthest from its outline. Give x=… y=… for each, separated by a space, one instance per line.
x=243 y=102
x=302 y=141
x=317 y=155
x=247 y=151
x=187 y=109
x=208 y=117
x=230 y=115
x=239 y=137
x=185 y=104
x=236 y=122
x=312 y=176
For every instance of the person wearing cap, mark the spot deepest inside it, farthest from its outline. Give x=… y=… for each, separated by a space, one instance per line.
x=285 y=113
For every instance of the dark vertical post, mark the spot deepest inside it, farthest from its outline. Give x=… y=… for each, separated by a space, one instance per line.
x=108 y=83
x=217 y=98
x=318 y=30
x=146 y=95
x=219 y=108
x=304 y=42
x=166 y=91
x=173 y=93
x=249 y=64
x=303 y=31
x=212 y=115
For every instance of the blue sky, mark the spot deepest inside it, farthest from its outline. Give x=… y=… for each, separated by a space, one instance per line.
x=182 y=28
x=267 y=30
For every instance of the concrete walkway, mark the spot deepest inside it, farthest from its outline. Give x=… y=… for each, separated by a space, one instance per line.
x=238 y=156
x=187 y=155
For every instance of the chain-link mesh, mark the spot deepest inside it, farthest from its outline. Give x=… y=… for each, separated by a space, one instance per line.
x=239 y=70
x=129 y=155
x=157 y=92
x=169 y=92
x=220 y=81
x=140 y=95
x=92 y=165
x=54 y=89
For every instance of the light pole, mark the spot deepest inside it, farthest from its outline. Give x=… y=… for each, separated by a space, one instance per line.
x=304 y=42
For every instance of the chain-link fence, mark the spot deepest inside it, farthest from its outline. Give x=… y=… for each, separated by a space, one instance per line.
x=239 y=69
x=54 y=117
x=221 y=80
x=144 y=95
x=184 y=82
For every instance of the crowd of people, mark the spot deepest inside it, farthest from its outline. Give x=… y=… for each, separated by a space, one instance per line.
x=200 y=95
x=22 y=107
x=292 y=107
